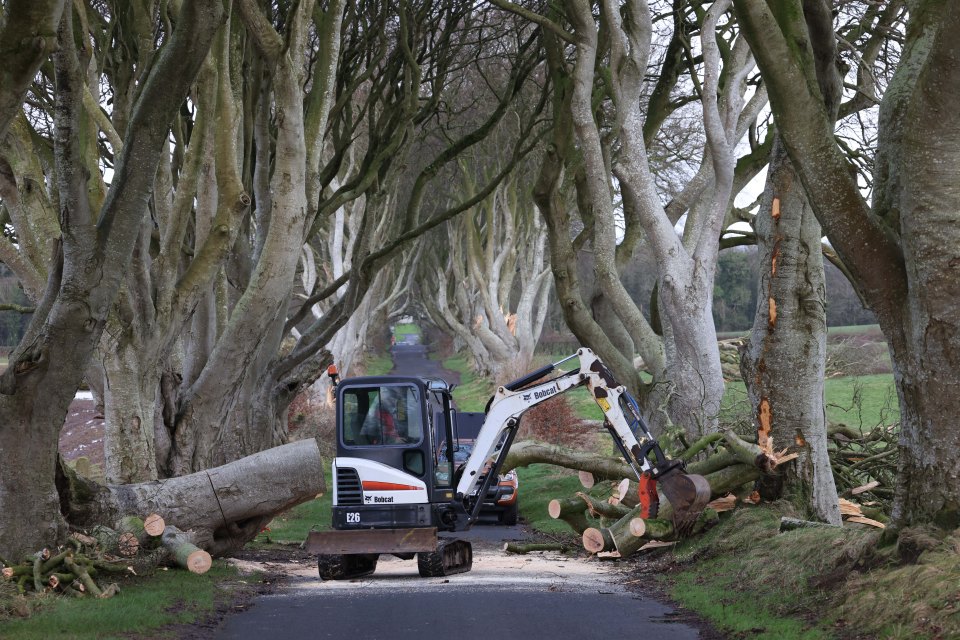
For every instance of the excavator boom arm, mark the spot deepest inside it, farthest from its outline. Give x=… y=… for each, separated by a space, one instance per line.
x=508 y=405
x=688 y=494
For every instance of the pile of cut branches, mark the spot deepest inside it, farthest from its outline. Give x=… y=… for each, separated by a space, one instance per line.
x=865 y=464
x=84 y=566
x=728 y=463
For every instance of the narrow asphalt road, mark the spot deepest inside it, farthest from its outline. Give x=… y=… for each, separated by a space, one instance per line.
x=543 y=595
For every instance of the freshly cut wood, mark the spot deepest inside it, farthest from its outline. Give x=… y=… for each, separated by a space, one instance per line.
x=865 y=487
x=225 y=506
x=184 y=552
x=848 y=508
x=637 y=527
x=657 y=544
x=597 y=540
x=112 y=541
x=628 y=493
x=520 y=548
x=865 y=520
x=586 y=479
x=154 y=525
x=570 y=510
x=726 y=503
x=127 y=544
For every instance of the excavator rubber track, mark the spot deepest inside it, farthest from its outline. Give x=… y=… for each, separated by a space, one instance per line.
x=346 y=566
x=452 y=556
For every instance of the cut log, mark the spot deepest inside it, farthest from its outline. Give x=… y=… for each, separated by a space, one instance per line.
x=89 y=586
x=602 y=508
x=184 y=552
x=586 y=479
x=628 y=493
x=571 y=511
x=116 y=542
x=597 y=540
x=154 y=525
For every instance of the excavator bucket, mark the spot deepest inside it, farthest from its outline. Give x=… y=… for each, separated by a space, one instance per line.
x=688 y=495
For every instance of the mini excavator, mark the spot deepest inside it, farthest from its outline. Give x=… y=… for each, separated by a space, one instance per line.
x=395 y=484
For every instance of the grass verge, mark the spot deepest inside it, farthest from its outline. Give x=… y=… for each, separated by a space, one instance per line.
x=146 y=607
x=825 y=582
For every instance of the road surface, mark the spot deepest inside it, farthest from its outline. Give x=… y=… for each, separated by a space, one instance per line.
x=542 y=595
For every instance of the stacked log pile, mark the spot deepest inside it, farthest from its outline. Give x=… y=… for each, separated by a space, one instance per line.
x=90 y=561
x=730 y=358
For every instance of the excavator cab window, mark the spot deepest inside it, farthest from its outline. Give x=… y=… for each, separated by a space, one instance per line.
x=386 y=415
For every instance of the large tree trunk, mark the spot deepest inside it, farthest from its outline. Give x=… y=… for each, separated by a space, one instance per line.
x=46 y=369
x=783 y=363
x=927 y=365
x=130 y=396
x=224 y=507
x=693 y=359
x=901 y=253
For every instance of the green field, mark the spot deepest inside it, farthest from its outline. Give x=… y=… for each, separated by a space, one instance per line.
x=406 y=329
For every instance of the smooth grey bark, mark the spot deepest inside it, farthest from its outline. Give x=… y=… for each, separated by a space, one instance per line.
x=686 y=269
x=902 y=251
x=783 y=362
x=223 y=507
x=47 y=366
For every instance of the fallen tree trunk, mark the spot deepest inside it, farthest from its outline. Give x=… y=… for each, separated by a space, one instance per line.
x=224 y=507
x=527 y=452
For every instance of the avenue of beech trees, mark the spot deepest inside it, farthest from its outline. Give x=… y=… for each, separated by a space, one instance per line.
x=205 y=203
